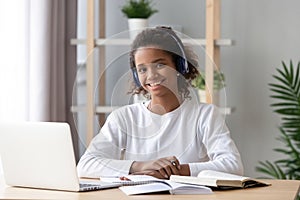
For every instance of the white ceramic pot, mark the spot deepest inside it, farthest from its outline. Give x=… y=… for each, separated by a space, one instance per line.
x=202 y=96
x=136 y=25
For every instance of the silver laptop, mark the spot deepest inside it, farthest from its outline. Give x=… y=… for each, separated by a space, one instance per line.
x=40 y=155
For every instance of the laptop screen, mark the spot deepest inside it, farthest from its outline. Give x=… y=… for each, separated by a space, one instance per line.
x=39 y=155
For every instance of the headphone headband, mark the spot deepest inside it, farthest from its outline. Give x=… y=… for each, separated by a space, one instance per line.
x=182 y=64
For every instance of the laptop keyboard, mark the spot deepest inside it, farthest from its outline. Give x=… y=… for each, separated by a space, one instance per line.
x=91 y=187
x=87 y=186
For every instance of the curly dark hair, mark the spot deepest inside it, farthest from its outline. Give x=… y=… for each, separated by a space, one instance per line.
x=166 y=39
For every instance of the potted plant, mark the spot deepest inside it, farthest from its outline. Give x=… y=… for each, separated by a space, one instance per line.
x=287 y=93
x=137 y=12
x=199 y=83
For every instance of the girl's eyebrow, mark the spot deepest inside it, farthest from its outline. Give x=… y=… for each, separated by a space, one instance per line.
x=154 y=61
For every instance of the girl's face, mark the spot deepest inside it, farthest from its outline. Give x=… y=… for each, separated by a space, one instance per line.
x=156 y=71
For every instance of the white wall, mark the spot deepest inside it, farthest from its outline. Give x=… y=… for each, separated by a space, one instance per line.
x=265 y=33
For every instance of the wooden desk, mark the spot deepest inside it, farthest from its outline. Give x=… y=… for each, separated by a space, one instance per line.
x=280 y=189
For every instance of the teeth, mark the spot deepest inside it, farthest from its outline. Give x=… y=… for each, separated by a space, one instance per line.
x=154 y=84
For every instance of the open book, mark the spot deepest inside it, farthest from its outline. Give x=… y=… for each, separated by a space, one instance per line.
x=143 y=184
x=219 y=180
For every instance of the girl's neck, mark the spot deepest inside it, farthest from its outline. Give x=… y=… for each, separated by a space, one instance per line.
x=163 y=105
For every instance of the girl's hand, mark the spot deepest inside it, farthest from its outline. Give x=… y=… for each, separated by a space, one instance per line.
x=164 y=166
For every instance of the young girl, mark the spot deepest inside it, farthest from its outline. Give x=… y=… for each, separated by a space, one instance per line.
x=171 y=133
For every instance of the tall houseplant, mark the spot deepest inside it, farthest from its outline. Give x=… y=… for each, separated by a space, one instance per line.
x=137 y=12
x=287 y=93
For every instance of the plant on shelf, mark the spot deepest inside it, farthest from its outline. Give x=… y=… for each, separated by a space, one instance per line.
x=287 y=92
x=137 y=12
x=199 y=83
x=138 y=9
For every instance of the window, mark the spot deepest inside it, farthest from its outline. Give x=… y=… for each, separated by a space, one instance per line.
x=13 y=66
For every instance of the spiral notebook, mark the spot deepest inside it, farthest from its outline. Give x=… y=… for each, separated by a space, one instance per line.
x=131 y=179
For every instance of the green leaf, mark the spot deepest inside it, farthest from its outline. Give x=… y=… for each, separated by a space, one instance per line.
x=291 y=71
x=284 y=92
x=284 y=73
x=285 y=82
x=291 y=118
x=287 y=111
x=282 y=151
x=287 y=94
x=287 y=98
x=273 y=85
x=266 y=169
x=282 y=161
x=291 y=125
x=286 y=104
x=297 y=80
x=270 y=169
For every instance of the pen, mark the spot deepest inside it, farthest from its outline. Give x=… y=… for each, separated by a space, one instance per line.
x=123 y=149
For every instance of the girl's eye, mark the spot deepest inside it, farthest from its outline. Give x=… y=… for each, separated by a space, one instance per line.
x=160 y=65
x=142 y=70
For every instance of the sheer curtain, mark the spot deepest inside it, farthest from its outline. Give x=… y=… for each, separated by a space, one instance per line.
x=38 y=65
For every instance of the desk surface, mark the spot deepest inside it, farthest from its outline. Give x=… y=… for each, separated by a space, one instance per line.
x=280 y=189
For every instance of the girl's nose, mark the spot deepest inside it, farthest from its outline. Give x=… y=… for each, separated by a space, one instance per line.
x=152 y=72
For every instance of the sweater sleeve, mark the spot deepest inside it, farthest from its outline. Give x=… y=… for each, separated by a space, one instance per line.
x=222 y=152
x=103 y=155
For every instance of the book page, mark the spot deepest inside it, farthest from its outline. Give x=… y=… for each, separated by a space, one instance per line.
x=220 y=175
x=143 y=189
x=166 y=186
x=194 y=180
x=181 y=188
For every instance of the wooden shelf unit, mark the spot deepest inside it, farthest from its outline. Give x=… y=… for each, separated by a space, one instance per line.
x=127 y=41
x=109 y=109
x=212 y=43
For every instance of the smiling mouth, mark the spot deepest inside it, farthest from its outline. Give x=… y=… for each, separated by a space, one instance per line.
x=155 y=83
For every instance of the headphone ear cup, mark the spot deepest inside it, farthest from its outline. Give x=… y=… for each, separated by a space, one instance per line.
x=136 y=77
x=181 y=65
